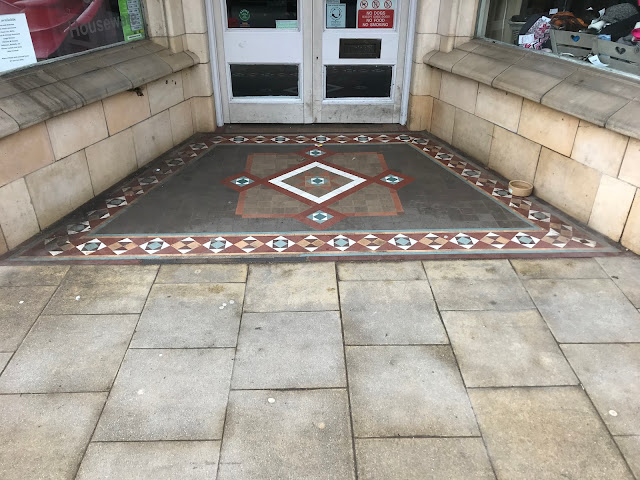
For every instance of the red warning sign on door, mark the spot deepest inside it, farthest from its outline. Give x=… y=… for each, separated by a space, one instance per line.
x=376 y=13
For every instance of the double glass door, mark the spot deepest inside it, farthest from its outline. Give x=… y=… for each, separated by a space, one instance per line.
x=304 y=61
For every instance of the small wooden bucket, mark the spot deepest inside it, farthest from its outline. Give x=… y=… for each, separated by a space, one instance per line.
x=520 y=188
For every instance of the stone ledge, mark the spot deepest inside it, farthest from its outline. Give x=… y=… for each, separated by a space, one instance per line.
x=33 y=95
x=603 y=97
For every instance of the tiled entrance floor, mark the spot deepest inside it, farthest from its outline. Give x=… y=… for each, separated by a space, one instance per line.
x=311 y=196
x=457 y=370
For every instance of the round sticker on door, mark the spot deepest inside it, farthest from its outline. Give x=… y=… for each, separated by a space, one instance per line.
x=388 y=4
x=244 y=15
x=375 y=4
x=364 y=4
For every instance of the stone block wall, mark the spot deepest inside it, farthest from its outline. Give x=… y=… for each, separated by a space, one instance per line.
x=589 y=172
x=50 y=169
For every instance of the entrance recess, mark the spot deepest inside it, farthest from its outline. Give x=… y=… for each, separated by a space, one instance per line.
x=295 y=61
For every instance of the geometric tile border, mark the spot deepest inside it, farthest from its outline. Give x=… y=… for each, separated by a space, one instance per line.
x=75 y=241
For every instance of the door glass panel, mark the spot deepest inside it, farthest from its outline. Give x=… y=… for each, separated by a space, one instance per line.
x=262 y=13
x=264 y=80
x=348 y=81
x=361 y=14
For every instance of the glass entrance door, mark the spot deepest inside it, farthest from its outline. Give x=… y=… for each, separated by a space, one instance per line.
x=294 y=61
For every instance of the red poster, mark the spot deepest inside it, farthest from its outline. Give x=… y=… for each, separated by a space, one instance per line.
x=375 y=18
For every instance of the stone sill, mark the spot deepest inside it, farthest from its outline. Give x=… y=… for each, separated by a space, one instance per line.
x=35 y=94
x=602 y=97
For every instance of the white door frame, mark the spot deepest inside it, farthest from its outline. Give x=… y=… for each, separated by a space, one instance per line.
x=215 y=37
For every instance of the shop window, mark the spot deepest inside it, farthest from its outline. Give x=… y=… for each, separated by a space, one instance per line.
x=33 y=31
x=262 y=14
x=605 y=33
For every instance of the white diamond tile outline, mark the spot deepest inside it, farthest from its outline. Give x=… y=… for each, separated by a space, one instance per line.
x=355 y=181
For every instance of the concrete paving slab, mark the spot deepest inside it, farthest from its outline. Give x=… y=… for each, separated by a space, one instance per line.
x=380 y=271
x=17 y=318
x=506 y=349
x=106 y=274
x=407 y=391
x=189 y=316
x=478 y=269
x=422 y=459
x=69 y=354
x=231 y=273
x=559 y=268
x=289 y=350
x=291 y=288
x=611 y=377
x=546 y=433
x=168 y=395
x=478 y=294
x=625 y=271
x=94 y=299
x=4 y=359
x=630 y=448
x=48 y=433
x=297 y=435
x=31 y=275
x=391 y=313
x=102 y=289
x=585 y=311
x=150 y=461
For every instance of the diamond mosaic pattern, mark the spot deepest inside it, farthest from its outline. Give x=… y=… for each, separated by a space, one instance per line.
x=74 y=240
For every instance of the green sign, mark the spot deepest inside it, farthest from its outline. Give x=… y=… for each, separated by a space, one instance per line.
x=132 y=20
x=244 y=15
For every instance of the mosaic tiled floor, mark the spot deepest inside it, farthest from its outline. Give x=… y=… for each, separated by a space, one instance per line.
x=322 y=196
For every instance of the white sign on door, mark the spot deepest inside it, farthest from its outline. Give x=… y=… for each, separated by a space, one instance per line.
x=336 y=15
x=16 y=46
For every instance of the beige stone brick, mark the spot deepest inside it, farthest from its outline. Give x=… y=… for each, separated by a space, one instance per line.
x=420 y=111
x=195 y=16
x=197 y=81
x=611 y=207
x=176 y=44
x=630 y=170
x=447 y=43
x=428 y=12
x=447 y=17
x=459 y=92
x=198 y=43
x=425 y=43
x=152 y=137
x=3 y=244
x=204 y=114
x=155 y=18
x=473 y=136
x=548 y=127
x=499 y=107
x=181 y=122
x=165 y=93
x=60 y=188
x=76 y=130
x=466 y=18
x=425 y=80
x=512 y=156
x=599 y=148
x=174 y=16
x=566 y=184
x=111 y=160
x=24 y=152
x=631 y=235
x=126 y=109
x=17 y=218
x=442 y=120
